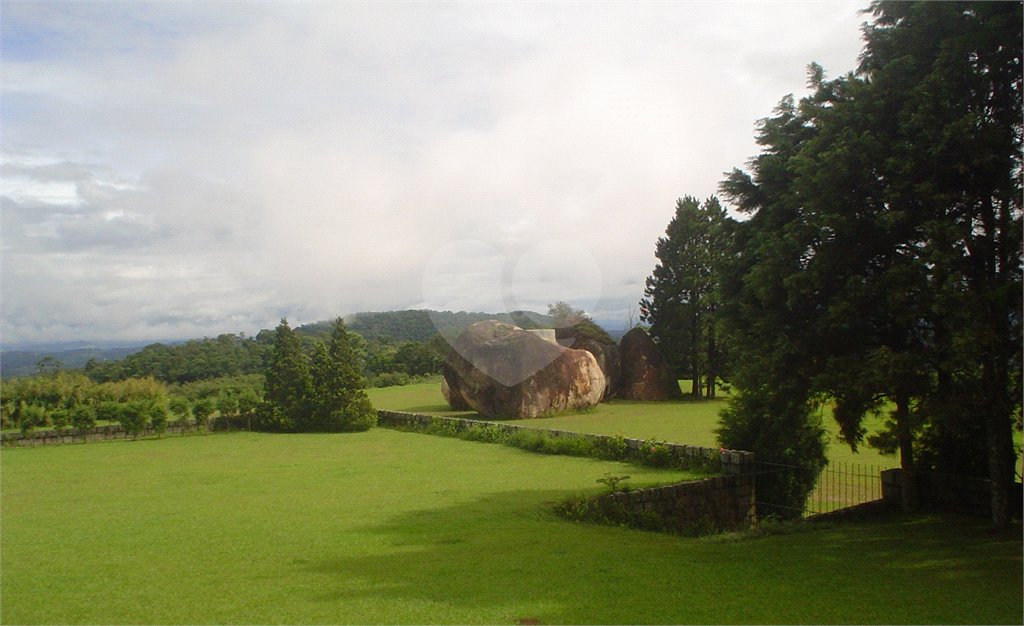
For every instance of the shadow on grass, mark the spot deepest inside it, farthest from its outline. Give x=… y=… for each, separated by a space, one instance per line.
x=506 y=558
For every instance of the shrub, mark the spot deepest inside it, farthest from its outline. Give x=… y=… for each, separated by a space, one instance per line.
x=783 y=429
x=612 y=448
x=29 y=416
x=178 y=405
x=158 y=418
x=107 y=411
x=390 y=379
x=83 y=417
x=270 y=417
x=134 y=416
x=202 y=410
x=654 y=453
x=60 y=418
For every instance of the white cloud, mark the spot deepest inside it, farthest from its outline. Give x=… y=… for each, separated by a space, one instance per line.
x=181 y=169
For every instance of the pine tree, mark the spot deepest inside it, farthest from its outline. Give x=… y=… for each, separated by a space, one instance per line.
x=680 y=299
x=338 y=402
x=288 y=386
x=881 y=262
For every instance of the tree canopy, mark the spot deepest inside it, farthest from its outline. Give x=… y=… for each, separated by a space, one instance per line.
x=881 y=262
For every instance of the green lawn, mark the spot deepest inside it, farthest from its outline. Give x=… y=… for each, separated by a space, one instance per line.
x=686 y=421
x=392 y=527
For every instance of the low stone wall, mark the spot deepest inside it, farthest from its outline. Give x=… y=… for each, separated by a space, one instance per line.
x=733 y=461
x=724 y=502
x=948 y=493
x=57 y=436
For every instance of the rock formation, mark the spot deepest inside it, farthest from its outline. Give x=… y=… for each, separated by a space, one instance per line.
x=586 y=335
x=454 y=400
x=504 y=372
x=645 y=373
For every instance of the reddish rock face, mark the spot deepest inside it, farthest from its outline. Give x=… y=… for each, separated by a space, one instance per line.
x=645 y=374
x=586 y=335
x=454 y=400
x=505 y=372
x=607 y=355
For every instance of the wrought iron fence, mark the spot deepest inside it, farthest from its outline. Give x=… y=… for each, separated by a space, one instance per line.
x=840 y=485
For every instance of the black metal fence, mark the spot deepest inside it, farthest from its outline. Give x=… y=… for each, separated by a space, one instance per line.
x=840 y=485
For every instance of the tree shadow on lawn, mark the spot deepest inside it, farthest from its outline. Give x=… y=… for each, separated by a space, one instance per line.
x=506 y=558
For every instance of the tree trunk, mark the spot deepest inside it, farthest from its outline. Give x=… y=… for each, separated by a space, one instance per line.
x=712 y=374
x=695 y=388
x=999 y=431
x=905 y=437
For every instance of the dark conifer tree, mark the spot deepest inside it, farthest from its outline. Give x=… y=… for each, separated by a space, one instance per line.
x=339 y=402
x=680 y=298
x=882 y=259
x=288 y=385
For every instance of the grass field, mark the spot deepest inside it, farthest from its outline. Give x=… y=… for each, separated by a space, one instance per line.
x=392 y=527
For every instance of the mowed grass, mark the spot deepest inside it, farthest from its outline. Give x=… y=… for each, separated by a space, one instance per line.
x=392 y=527
x=690 y=422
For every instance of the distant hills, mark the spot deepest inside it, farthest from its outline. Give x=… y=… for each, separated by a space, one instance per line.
x=410 y=325
x=23 y=362
x=422 y=325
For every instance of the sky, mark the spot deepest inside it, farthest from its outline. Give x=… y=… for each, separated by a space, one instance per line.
x=184 y=169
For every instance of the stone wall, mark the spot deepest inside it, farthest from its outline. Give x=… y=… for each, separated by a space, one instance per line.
x=948 y=493
x=724 y=502
x=733 y=461
x=74 y=435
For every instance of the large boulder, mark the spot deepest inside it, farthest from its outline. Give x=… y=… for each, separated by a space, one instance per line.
x=504 y=372
x=645 y=373
x=454 y=400
x=586 y=335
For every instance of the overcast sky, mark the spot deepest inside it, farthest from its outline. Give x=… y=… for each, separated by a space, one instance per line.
x=178 y=170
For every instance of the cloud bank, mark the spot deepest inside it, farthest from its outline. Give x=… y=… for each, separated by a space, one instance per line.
x=174 y=170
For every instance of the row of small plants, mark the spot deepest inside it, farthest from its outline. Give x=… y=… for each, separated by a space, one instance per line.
x=651 y=453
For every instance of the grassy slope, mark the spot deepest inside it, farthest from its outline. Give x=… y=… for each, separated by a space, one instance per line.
x=390 y=527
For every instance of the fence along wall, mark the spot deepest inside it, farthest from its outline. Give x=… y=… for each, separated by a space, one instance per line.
x=726 y=501
x=74 y=435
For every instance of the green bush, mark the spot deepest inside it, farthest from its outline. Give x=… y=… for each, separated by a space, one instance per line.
x=83 y=416
x=654 y=453
x=612 y=448
x=60 y=418
x=389 y=379
x=202 y=410
x=158 y=418
x=178 y=405
x=30 y=416
x=107 y=411
x=134 y=416
x=607 y=511
x=783 y=429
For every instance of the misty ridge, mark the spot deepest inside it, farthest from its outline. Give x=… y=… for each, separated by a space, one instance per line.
x=418 y=325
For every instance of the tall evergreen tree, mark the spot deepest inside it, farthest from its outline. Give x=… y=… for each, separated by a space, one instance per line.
x=882 y=260
x=680 y=298
x=288 y=387
x=339 y=401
